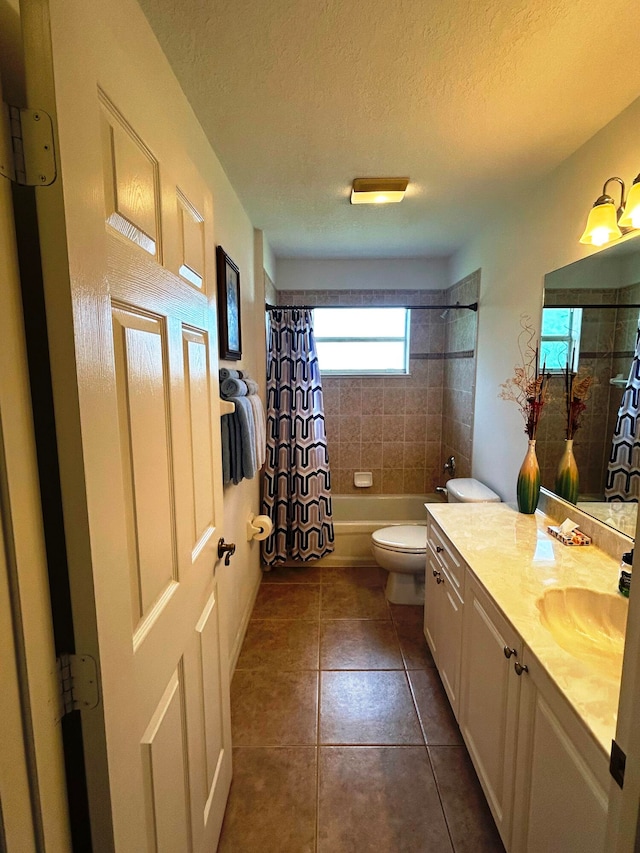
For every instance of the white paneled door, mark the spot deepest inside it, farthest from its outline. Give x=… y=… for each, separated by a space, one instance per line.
x=128 y=257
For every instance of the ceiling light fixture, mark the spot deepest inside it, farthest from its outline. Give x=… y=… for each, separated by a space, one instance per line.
x=607 y=223
x=378 y=190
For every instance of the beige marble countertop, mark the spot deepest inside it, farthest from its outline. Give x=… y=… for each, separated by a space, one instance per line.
x=516 y=560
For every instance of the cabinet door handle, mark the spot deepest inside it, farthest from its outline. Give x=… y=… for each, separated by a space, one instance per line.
x=508 y=651
x=439 y=549
x=439 y=579
x=520 y=667
x=435 y=573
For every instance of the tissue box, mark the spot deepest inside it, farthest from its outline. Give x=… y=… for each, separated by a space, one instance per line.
x=575 y=537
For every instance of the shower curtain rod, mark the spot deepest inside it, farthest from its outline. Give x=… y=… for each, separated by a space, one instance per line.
x=473 y=306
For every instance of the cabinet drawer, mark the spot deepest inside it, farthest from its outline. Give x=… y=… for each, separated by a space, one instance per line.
x=447 y=555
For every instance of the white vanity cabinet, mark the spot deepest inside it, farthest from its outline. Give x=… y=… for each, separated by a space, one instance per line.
x=444 y=600
x=562 y=778
x=489 y=697
x=544 y=776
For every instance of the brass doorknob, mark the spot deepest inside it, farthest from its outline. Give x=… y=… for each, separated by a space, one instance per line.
x=226 y=550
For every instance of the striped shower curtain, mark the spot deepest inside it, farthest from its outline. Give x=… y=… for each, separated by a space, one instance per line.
x=296 y=488
x=623 y=474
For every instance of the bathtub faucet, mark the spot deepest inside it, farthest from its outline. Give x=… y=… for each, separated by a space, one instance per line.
x=450 y=466
x=440 y=490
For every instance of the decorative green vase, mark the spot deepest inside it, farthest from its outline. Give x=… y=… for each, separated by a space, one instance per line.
x=529 y=481
x=567 y=474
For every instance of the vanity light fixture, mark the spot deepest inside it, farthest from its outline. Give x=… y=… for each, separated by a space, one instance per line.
x=602 y=224
x=607 y=223
x=378 y=190
x=631 y=214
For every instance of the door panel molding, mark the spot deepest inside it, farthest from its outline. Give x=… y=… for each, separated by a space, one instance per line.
x=131 y=182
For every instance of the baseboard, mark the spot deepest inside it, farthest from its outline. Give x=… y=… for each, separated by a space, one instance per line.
x=340 y=561
x=242 y=630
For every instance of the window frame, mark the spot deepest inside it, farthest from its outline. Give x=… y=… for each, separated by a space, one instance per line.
x=571 y=339
x=406 y=339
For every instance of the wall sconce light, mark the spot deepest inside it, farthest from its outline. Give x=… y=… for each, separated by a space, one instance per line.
x=607 y=223
x=378 y=190
x=631 y=215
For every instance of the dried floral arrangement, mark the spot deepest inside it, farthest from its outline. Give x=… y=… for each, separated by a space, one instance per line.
x=528 y=388
x=577 y=387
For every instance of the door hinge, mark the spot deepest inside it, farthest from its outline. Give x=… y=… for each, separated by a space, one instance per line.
x=27 y=154
x=78 y=681
x=617 y=763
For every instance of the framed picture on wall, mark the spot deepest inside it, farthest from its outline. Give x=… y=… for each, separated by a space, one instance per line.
x=228 y=306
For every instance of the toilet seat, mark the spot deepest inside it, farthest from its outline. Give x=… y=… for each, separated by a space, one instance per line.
x=403 y=538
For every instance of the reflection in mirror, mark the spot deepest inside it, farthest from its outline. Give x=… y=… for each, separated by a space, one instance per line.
x=590 y=320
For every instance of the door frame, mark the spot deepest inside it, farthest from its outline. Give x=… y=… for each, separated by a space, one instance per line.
x=623 y=824
x=25 y=561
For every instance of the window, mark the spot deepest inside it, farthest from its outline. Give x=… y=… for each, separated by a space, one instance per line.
x=362 y=340
x=560 y=338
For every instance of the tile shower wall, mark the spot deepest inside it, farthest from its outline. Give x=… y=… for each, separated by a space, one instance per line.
x=606 y=349
x=458 y=392
x=396 y=426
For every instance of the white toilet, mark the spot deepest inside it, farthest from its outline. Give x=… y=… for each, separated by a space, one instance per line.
x=402 y=549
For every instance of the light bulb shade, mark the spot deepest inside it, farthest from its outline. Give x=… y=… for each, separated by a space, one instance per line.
x=378 y=190
x=602 y=225
x=631 y=214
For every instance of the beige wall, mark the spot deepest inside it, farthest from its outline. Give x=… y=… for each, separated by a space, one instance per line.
x=264 y=263
x=537 y=234
x=11 y=61
x=362 y=274
x=270 y=292
x=239 y=582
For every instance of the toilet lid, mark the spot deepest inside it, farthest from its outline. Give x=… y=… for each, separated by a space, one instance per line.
x=470 y=490
x=408 y=538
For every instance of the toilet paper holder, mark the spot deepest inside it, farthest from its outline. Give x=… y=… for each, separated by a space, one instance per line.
x=258 y=527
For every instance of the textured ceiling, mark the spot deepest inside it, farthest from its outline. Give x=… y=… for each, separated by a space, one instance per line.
x=472 y=100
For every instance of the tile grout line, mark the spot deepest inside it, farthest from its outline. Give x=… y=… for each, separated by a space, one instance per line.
x=428 y=751
x=444 y=813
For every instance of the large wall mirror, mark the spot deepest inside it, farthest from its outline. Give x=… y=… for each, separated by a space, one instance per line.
x=592 y=308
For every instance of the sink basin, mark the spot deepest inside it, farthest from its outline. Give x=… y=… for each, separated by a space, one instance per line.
x=589 y=625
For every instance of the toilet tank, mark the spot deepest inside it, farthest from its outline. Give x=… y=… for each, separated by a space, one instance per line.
x=470 y=490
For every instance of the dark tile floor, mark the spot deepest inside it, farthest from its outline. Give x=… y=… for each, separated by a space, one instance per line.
x=343 y=736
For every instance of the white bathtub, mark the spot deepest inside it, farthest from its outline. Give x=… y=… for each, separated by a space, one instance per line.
x=355 y=518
